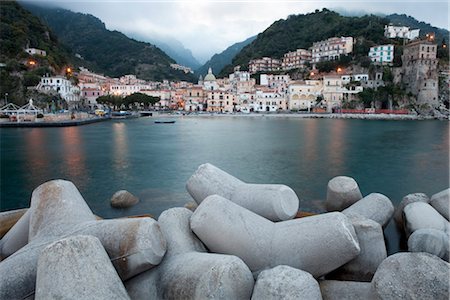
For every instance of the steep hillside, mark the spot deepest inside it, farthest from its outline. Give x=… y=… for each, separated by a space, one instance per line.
x=218 y=61
x=19 y=29
x=300 y=31
x=425 y=28
x=105 y=51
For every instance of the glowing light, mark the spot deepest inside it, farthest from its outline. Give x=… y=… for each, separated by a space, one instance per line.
x=339 y=70
x=312 y=73
x=69 y=70
x=32 y=63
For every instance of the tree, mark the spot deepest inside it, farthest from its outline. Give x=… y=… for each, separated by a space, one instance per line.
x=141 y=98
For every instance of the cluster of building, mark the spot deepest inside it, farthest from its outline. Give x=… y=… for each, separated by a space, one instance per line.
x=332 y=49
x=240 y=92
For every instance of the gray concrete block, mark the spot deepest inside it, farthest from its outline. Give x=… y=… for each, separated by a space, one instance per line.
x=430 y=240
x=317 y=244
x=410 y=198
x=342 y=191
x=420 y=215
x=441 y=202
x=58 y=211
x=345 y=290
x=375 y=206
x=187 y=271
x=412 y=276
x=373 y=251
x=284 y=282
x=16 y=237
x=77 y=267
x=273 y=201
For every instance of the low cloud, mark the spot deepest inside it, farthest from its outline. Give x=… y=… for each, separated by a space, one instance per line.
x=208 y=27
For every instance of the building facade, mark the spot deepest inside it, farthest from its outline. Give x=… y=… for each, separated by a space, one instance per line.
x=70 y=93
x=303 y=95
x=382 y=54
x=265 y=64
x=296 y=59
x=331 y=48
x=419 y=71
x=391 y=31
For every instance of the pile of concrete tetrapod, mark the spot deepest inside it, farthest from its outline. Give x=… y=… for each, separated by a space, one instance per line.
x=242 y=241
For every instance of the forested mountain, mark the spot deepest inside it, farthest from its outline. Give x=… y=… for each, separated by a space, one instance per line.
x=220 y=60
x=301 y=31
x=19 y=29
x=105 y=51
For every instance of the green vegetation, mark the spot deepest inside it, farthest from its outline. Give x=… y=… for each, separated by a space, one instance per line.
x=105 y=51
x=130 y=101
x=301 y=31
x=20 y=29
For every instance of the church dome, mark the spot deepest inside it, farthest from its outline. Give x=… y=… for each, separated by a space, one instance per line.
x=210 y=76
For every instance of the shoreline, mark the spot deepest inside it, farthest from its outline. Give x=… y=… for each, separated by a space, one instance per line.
x=307 y=116
x=52 y=123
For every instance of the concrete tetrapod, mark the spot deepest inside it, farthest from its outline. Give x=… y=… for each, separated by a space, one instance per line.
x=275 y=202
x=342 y=191
x=420 y=215
x=58 y=211
x=317 y=244
x=430 y=240
x=187 y=271
x=375 y=206
x=412 y=276
x=9 y=218
x=373 y=251
x=16 y=237
x=284 y=282
x=410 y=198
x=77 y=267
x=441 y=203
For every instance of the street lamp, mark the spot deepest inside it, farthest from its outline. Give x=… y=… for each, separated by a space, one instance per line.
x=6 y=98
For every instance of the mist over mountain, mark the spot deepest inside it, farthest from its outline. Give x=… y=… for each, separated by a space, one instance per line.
x=105 y=51
x=220 y=60
x=172 y=47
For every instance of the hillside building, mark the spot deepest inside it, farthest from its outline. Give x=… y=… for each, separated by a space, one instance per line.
x=404 y=32
x=70 y=93
x=419 y=71
x=221 y=102
x=382 y=54
x=34 y=51
x=331 y=48
x=296 y=59
x=265 y=64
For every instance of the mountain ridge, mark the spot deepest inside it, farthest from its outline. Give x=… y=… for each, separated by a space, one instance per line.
x=106 y=51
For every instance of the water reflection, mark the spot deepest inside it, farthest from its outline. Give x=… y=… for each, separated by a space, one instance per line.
x=73 y=156
x=35 y=150
x=311 y=139
x=336 y=148
x=120 y=147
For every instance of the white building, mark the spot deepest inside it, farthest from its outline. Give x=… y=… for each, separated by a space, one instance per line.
x=277 y=82
x=382 y=54
x=268 y=100
x=34 y=51
x=331 y=48
x=181 y=68
x=404 y=32
x=59 y=84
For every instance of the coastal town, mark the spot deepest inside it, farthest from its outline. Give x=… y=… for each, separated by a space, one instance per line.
x=266 y=85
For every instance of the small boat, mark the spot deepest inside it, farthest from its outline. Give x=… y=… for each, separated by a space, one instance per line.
x=164 y=122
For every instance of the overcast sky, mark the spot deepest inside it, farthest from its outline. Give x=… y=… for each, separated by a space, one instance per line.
x=208 y=26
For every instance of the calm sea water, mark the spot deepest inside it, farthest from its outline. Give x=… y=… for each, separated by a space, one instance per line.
x=153 y=161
